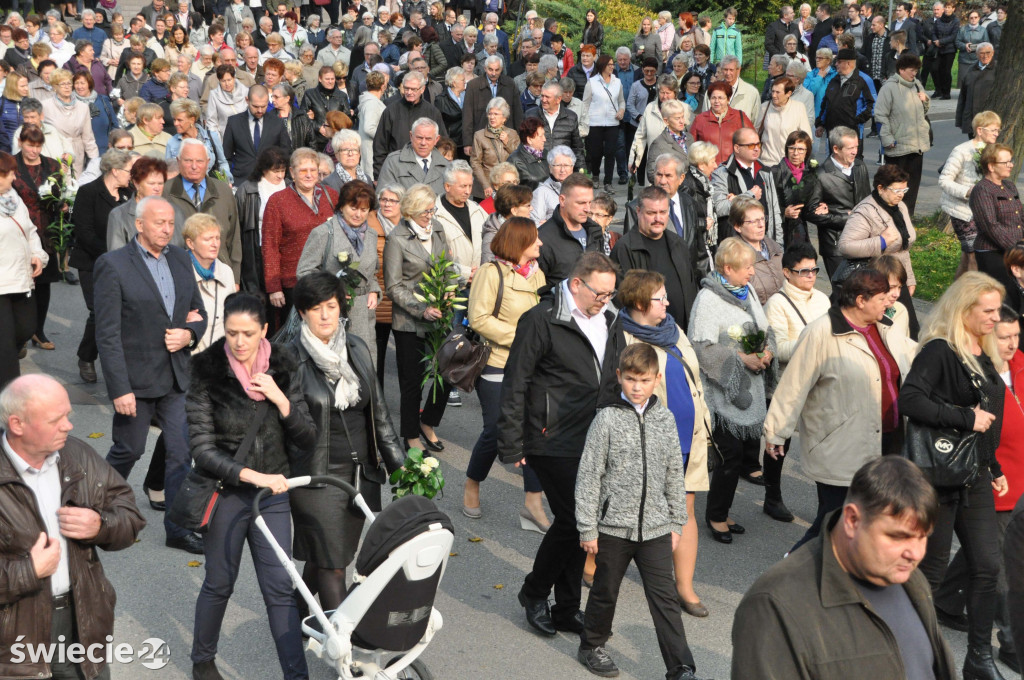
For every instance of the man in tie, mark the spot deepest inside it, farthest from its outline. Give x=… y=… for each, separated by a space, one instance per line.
x=656 y=246
x=418 y=162
x=479 y=93
x=194 y=191
x=397 y=120
x=251 y=131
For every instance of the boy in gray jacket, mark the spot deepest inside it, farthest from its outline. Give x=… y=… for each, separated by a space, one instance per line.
x=631 y=505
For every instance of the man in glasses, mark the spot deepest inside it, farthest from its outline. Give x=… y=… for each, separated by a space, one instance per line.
x=743 y=174
x=561 y=126
x=564 y=357
x=397 y=120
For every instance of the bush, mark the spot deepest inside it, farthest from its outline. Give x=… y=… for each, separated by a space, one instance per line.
x=935 y=256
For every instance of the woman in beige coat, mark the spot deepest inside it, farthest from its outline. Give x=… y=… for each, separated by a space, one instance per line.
x=71 y=118
x=491 y=146
x=645 y=318
x=503 y=291
x=881 y=224
x=840 y=390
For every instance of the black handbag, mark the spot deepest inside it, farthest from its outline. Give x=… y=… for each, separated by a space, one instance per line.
x=948 y=457
x=464 y=355
x=196 y=501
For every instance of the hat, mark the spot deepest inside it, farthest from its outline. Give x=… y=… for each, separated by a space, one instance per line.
x=847 y=55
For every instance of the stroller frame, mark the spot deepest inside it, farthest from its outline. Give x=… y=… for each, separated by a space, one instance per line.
x=420 y=558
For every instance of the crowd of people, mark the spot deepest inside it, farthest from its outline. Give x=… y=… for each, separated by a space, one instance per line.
x=252 y=197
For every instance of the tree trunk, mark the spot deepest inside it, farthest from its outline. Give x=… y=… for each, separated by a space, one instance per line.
x=1006 y=99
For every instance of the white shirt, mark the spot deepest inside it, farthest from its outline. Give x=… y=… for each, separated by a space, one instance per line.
x=673 y=205
x=845 y=170
x=595 y=328
x=45 y=486
x=639 y=408
x=551 y=118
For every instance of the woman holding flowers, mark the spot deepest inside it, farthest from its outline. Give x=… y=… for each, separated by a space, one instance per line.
x=356 y=440
x=796 y=185
x=500 y=294
x=345 y=243
x=408 y=251
x=735 y=347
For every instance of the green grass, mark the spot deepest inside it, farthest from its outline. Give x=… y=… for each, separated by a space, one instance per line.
x=935 y=256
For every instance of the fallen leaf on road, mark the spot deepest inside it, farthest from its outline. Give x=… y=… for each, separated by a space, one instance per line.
x=453 y=554
x=475 y=539
x=95 y=435
x=195 y=563
x=498 y=586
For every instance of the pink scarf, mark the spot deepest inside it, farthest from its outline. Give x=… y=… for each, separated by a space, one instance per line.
x=798 y=172
x=261 y=365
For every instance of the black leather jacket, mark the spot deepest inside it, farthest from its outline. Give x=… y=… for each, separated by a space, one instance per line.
x=386 y=455
x=840 y=193
x=807 y=192
x=301 y=130
x=451 y=112
x=532 y=170
x=248 y=199
x=320 y=101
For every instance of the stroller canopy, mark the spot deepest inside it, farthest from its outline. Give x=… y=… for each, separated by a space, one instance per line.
x=402 y=520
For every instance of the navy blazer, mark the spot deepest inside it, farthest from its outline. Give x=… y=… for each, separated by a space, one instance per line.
x=237 y=142
x=131 y=320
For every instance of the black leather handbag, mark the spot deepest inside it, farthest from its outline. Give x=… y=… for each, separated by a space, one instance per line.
x=196 y=501
x=463 y=355
x=948 y=457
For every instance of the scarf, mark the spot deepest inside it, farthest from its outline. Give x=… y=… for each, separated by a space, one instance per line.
x=421 y=233
x=796 y=171
x=897 y=217
x=524 y=270
x=318 y=193
x=678 y=139
x=356 y=236
x=8 y=206
x=496 y=131
x=665 y=334
x=332 y=360
x=261 y=365
x=91 y=99
x=67 y=105
x=204 y=273
x=346 y=178
x=536 y=153
x=739 y=292
x=387 y=225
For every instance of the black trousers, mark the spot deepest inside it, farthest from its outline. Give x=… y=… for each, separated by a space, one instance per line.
x=942 y=74
x=486 y=448
x=913 y=163
x=383 y=333
x=1013 y=555
x=64 y=631
x=42 y=296
x=773 y=474
x=725 y=477
x=626 y=134
x=601 y=146
x=829 y=498
x=409 y=353
x=970 y=514
x=559 y=561
x=908 y=302
x=17 y=323
x=653 y=560
x=991 y=262
x=951 y=596
x=87 y=350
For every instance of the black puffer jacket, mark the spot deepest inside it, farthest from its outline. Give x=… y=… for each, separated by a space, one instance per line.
x=840 y=193
x=248 y=199
x=945 y=31
x=631 y=253
x=807 y=193
x=579 y=76
x=386 y=454
x=532 y=170
x=566 y=132
x=219 y=414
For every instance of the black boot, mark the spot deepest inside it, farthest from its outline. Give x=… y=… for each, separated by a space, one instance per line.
x=773 y=505
x=979 y=664
x=206 y=670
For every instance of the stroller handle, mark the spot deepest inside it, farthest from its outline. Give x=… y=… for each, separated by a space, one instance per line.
x=297 y=482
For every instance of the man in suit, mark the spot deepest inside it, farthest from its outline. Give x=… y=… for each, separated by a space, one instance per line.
x=418 y=162
x=450 y=47
x=904 y=22
x=824 y=27
x=251 y=131
x=480 y=91
x=149 y=316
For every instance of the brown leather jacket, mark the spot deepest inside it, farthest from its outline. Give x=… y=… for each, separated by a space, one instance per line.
x=25 y=601
x=384 y=305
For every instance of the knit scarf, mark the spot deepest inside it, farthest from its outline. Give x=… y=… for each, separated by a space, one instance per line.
x=665 y=334
x=797 y=171
x=524 y=270
x=91 y=99
x=346 y=177
x=260 y=365
x=536 y=153
x=66 y=105
x=356 y=236
x=739 y=292
x=8 y=206
x=332 y=359
x=204 y=273
x=496 y=131
x=897 y=217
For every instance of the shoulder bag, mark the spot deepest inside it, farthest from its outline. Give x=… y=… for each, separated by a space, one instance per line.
x=463 y=355
x=947 y=456
x=196 y=501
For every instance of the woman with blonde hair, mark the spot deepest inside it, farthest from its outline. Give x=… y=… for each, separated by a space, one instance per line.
x=71 y=118
x=953 y=385
x=214 y=279
x=15 y=89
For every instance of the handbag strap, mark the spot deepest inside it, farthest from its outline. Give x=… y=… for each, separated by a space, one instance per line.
x=501 y=291
x=329 y=246
x=250 y=434
x=795 y=309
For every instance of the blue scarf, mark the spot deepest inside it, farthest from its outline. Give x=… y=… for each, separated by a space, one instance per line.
x=204 y=273
x=355 y=236
x=665 y=334
x=739 y=292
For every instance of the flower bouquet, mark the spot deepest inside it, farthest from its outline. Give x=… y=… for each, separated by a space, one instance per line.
x=437 y=289
x=418 y=475
x=58 y=193
x=977 y=158
x=349 y=274
x=751 y=339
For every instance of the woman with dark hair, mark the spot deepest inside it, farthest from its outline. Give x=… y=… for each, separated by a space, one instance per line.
x=147 y=178
x=839 y=391
x=102 y=111
x=226 y=100
x=346 y=243
x=796 y=185
x=593 y=31
x=240 y=382
x=604 y=105
x=901 y=110
x=720 y=121
x=500 y=294
x=433 y=53
x=528 y=157
x=954 y=384
x=1014 y=261
x=881 y=224
x=24 y=260
x=995 y=204
x=356 y=440
x=251 y=197
x=895 y=311
x=511 y=200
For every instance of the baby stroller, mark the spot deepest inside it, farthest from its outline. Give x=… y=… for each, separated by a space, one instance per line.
x=390 y=610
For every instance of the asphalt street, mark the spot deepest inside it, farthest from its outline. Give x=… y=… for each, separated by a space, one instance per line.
x=485 y=633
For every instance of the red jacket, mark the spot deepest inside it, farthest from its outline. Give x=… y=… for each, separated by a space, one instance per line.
x=567 y=62
x=1010 y=453
x=707 y=128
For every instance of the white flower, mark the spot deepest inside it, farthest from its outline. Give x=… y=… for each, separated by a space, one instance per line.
x=735 y=332
x=431 y=461
x=45 y=189
x=425 y=469
x=343 y=257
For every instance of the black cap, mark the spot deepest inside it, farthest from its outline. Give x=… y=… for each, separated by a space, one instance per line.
x=847 y=55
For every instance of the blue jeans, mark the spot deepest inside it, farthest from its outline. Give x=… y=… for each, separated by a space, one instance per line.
x=486 y=448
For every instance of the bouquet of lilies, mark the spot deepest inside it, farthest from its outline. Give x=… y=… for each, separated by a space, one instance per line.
x=438 y=289
x=58 y=193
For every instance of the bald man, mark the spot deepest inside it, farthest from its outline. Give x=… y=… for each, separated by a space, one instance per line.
x=59 y=501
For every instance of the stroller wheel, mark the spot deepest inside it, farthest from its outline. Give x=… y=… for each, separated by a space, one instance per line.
x=417 y=670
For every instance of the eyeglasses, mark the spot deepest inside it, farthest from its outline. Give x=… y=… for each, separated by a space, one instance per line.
x=348 y=151
x=813 y=271
x=1009 y=162
x=562 y=166
x=600 y=297
x=752 y=145
x=429 y=212
x=993 y=130
x=801 y=149
x=758 y=221
x=663 y=299
x=388 y=201
x=601 y=215
x=898 y=192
